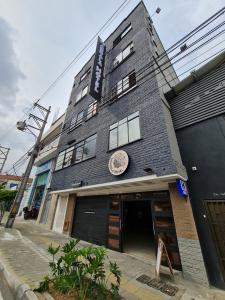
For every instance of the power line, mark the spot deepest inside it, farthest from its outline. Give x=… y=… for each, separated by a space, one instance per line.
x=78 y=56
x=172 y=48
x=66 y=130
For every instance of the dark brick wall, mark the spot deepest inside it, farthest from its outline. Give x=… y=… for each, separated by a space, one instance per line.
x=153 y=150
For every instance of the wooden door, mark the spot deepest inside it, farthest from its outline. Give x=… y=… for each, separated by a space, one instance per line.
x=115 y=224
x=164 y=227
x=215 y=210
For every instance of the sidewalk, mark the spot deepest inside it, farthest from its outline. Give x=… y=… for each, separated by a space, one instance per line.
x=23 y=252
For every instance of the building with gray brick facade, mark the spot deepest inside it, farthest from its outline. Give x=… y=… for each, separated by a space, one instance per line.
x=118 y=160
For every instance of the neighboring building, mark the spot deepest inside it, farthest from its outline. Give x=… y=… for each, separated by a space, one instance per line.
x=198 y=110
x=45 y=163
x=118 y=160
x=12 y=181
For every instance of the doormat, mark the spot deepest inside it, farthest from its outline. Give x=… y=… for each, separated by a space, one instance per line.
x=158 y=284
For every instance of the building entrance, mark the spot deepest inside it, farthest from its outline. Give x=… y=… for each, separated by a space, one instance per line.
x=138 y=234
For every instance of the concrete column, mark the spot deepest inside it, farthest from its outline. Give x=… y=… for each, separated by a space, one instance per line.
x=190 y=250
x=41 y=209
x=68 y=222
x=52 y=209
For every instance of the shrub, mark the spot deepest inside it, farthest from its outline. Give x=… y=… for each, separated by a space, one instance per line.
x=82 y=269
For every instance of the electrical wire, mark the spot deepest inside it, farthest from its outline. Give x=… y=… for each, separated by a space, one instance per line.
x=150 y=92
x=66 y=130
x=77 y=57
x=189 y=35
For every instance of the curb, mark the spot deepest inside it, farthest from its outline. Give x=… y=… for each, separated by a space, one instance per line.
x=19 y=291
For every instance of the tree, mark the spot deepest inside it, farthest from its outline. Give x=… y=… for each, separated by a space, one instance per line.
x=6 y=199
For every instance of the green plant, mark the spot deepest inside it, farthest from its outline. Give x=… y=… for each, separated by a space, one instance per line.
x=6 y=199
x=82 y=270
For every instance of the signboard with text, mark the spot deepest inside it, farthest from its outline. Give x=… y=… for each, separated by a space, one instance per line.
x=98 y=70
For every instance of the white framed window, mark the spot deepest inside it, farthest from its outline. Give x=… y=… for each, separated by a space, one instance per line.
x=92 y=110
x=120 y=57
x=125 y=131
x=82 y=93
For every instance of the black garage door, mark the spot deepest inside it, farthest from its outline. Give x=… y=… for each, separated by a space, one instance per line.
x=90 y=219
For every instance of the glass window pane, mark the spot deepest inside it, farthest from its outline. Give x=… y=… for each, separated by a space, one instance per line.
x=119 y=87
x=78 y=96
x=134 y=129
x=84 y=92
x=68 y=157
x=130 y=117
x=125 y=83
x=89 y=111
x=122 y=121
x=78 y=154
x=89 y=149
x=132 y=79
x=94 y=108
x=79 y=118
x=126 y=52
x=113 y=139
x=122 y=134
x=126 y=31
x=91 y=138
x=73 y=122
x=60 y=160
x=113 y=126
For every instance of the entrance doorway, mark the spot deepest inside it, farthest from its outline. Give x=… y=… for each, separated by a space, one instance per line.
x=138 y=234
x=136 y=221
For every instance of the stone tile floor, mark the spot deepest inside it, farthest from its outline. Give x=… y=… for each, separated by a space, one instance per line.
x=23 y=252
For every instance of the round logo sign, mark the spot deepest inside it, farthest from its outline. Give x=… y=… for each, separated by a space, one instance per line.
x=118 y=162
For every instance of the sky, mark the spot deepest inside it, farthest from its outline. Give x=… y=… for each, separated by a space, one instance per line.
x=38 y=39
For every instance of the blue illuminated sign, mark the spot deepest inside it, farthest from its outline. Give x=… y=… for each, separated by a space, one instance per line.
x=182 y=187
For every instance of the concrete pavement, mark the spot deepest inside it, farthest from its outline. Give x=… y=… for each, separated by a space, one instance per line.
x=23 y=252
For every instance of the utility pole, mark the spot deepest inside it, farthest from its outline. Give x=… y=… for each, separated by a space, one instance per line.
x=21 y=125
x=3 y=157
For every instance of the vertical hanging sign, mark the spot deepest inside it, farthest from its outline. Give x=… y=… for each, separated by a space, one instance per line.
x=98 y=69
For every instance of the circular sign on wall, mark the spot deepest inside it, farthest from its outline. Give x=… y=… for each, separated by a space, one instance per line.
x=118 y=162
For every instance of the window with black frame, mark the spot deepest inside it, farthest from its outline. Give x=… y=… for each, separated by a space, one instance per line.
x=82 y=94
x=80 y=152
x=125 y=131
x=92 y=110
x=77 y=120
x=124 y=85
x=85 y=74
x=122 y=35
x=123 y=54
x=64 y=158
x=85 y=149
